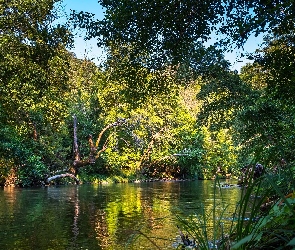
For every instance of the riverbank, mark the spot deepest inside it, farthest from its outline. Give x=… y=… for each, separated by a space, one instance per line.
x=84 y=179
x=120 y=179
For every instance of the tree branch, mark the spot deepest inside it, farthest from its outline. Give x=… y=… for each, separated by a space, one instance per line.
x=117 y=123
x=62 y=176
x=75 y=146
x=104 y=147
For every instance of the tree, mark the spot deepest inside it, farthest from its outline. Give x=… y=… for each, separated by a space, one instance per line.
x=33 y=78
x=33 y=60
x=155 y=29
x=268 y=121
x=94 y=151
x=165 y=32
x=257 y=104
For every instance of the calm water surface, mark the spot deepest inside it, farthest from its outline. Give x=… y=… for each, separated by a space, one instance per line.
x=114 y=216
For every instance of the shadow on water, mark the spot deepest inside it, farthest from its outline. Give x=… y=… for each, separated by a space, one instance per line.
x=114 y=216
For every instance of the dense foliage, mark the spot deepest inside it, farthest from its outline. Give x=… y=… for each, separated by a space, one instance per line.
x=34 y=65
x=164 y=32
x=162 y=106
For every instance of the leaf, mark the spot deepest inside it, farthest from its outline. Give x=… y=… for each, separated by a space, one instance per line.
x=242 y=241
x=292 y=242
x=247 y=239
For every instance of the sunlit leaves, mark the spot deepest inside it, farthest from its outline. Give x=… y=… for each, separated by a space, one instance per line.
x=33 y=80
x=220 y=153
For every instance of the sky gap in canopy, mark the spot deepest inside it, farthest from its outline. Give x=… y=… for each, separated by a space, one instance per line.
x=89 y=49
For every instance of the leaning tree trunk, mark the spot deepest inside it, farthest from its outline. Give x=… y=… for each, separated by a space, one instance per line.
x=93 y=154
x=77 y=163
x=63 y=176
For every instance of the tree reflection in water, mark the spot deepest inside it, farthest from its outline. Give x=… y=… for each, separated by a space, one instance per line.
x=115 y=216
x=75 y=229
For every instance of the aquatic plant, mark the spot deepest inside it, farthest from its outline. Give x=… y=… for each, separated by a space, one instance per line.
x=264 y=217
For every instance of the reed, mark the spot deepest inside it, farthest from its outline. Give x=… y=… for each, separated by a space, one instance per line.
x=264 y=217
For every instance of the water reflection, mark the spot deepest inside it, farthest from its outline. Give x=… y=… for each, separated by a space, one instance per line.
x=103 y=216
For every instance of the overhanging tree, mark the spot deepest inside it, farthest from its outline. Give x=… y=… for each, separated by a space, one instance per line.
x=165 y=32
x=33 y=77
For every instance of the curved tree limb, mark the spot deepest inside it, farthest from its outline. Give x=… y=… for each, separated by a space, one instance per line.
x=94 y=154
x=63 y=176
x=117 y=123
x=104 y=147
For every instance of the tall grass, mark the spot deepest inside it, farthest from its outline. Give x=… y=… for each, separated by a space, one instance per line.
x=206 y=229
x=264 y=217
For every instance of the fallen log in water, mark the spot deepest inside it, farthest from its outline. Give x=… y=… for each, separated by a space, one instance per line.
x=62 y=176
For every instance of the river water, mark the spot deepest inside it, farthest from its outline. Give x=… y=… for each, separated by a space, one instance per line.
x=109 y=216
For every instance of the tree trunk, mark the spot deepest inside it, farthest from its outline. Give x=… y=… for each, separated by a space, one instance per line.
x=75 y=146
x=62 y=176
x=93 y=155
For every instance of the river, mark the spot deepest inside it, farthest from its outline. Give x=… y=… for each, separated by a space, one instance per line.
x=109 y=216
